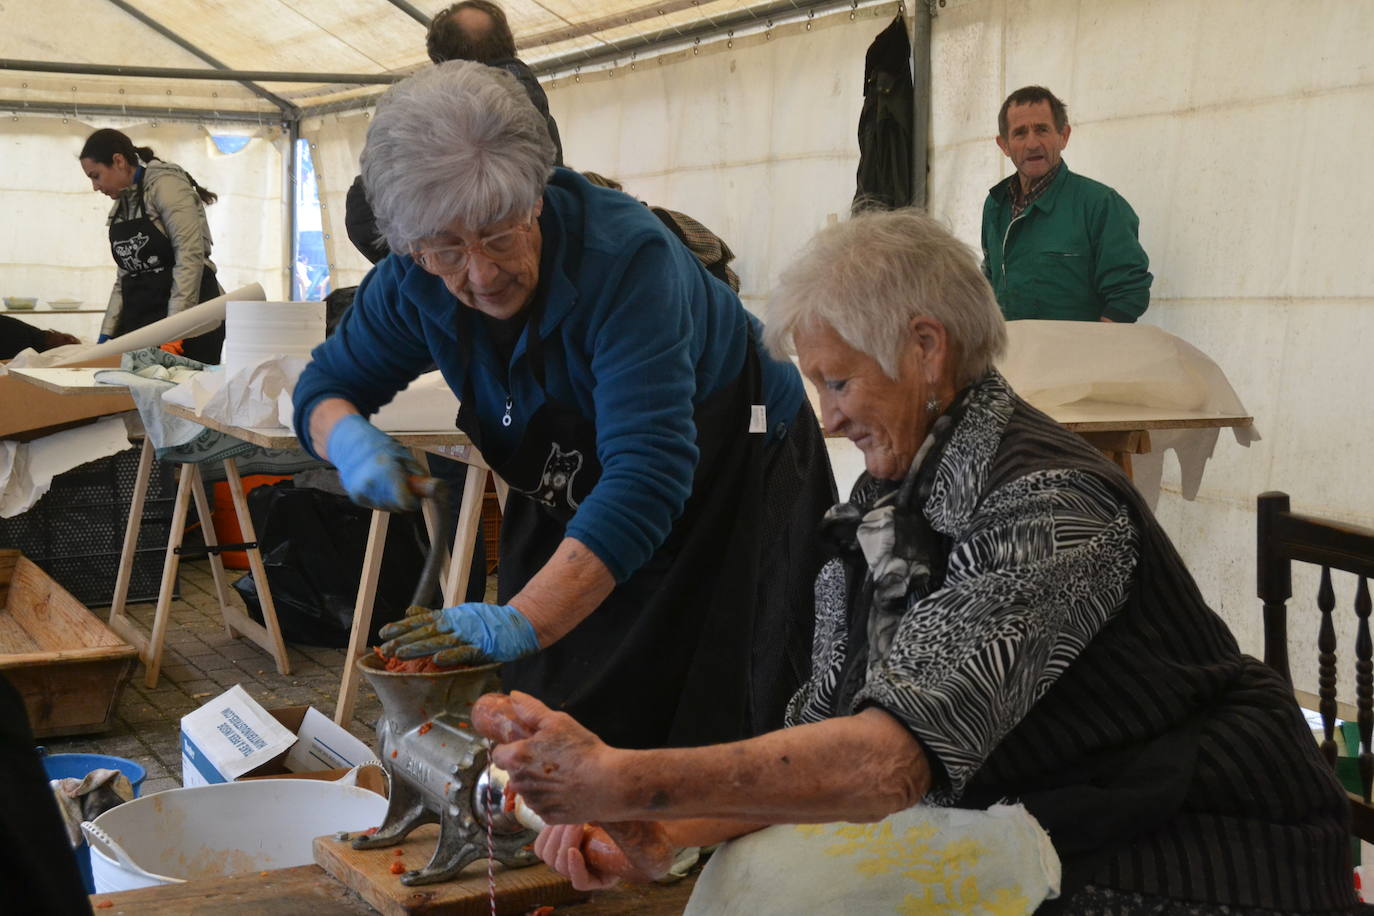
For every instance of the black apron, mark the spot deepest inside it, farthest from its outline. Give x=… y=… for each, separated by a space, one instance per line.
x=147 y=258
x=665 y=659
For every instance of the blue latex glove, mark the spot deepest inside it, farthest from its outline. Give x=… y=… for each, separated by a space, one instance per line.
x=373 y=466
x=467 y=634
x=102 y=338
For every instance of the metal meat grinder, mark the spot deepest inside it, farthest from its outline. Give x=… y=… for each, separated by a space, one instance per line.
x=438 y=767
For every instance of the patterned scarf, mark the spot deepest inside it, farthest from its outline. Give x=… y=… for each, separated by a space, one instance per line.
x=883 y=525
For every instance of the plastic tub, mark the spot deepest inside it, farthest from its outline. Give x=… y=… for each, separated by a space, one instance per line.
x=76 y=766
x=210 y=831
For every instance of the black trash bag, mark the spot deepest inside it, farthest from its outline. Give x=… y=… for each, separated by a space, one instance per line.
x=312 y=546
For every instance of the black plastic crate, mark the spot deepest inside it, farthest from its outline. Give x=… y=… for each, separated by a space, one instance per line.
x=76 y=531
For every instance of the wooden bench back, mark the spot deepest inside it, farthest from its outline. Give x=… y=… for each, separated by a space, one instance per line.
x=1285 y=538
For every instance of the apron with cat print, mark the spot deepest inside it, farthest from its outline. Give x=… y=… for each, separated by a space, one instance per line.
x=665 y=659
x=147 y=257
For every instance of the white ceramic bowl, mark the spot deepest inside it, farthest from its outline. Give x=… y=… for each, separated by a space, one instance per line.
x=20 y=303
x=64 y=305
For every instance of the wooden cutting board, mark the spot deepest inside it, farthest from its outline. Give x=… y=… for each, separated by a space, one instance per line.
x=367 y=872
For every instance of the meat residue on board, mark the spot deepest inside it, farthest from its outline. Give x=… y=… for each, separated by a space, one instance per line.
x=426 y=727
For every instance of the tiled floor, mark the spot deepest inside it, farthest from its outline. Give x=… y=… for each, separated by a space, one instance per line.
x=201 y=662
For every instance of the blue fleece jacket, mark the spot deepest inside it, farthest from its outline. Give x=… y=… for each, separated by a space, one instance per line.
x=635 y=333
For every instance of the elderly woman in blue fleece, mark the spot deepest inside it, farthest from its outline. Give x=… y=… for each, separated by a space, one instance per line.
x=666 y=473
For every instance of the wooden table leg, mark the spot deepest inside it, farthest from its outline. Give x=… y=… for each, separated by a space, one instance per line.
x=465 y=534
x=170 y=563
x=268 y=633
x=362 y=615
x=207 y=531
x=118 y=619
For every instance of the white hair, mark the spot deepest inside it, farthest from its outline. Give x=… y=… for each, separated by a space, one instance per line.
x=456 y=141
x=870 y=275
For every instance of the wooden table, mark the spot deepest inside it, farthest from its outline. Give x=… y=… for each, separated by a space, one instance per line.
x=1121 y=430
x=310 y=889
x=446 y=443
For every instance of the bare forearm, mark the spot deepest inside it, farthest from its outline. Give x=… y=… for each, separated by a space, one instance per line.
x=323 y=416
x=704 y=831
x=564 y=592
x=855 y=768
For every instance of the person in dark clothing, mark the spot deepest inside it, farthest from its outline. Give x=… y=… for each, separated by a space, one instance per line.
x=38 y=870
x=1001 y=622
x=16 y=335
x=471 y=30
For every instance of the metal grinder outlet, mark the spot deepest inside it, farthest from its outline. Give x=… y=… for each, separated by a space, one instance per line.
x=437 y=763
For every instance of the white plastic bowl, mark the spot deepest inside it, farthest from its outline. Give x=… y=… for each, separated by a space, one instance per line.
x=20 y=303
x=209 y=831
x=64 y=305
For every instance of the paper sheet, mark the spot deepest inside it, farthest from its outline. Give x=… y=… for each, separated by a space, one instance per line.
x=195 y=320
x=27 y=469
x=1057 y=363
x=250 y=397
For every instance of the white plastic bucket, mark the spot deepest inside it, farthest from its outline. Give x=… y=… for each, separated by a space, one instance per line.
x=210 y=831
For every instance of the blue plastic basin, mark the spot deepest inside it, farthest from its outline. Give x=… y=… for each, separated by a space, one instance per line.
x=76 y=766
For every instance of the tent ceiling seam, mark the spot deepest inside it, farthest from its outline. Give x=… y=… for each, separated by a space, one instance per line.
x=412 y=11
x=222 y=74
x=288 y=109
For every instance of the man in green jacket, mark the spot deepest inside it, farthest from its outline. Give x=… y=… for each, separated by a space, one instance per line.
x=1056 y=244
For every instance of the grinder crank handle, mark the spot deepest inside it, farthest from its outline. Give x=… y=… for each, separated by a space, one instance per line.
x=435 y=491
x=638 y=851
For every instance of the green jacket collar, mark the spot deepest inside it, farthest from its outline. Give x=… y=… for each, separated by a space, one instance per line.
x=1002 y=194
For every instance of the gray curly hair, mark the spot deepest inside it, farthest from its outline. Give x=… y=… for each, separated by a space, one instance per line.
x=457 y=141
x=870 y=275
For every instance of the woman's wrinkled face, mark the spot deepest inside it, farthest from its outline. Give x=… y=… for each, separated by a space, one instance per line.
x=497 y=280
x=885 y=417
x=109 y=179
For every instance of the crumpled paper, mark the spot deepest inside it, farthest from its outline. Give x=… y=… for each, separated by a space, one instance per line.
x=427 y=404
x=27 y=469
x=253 y=397
x=1109 y=369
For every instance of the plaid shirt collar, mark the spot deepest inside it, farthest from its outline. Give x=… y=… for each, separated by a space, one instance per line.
x=1020 y=202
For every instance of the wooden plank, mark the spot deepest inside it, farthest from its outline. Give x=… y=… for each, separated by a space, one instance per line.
x=273 y=643
x=152 y=657
x=466 y=531
x=280 y=892
x=281 y=437
x=131 y=529
x=362 y=615
x=52 y=618
x=71 y=381
x=367 y=872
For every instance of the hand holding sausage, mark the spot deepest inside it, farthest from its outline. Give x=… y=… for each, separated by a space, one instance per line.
x=596 y=856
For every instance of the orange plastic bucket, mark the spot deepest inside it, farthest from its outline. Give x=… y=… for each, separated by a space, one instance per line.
x=226 y=520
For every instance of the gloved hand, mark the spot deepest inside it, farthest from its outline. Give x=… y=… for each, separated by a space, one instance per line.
x=102 y=338
x=373 y=467
x=468 y=634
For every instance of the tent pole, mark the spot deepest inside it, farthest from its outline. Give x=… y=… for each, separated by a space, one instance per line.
x=287 y=109
x=921 y=15
x=200 y=73
x=293 y=133
x=69 y=109
x=412 y=11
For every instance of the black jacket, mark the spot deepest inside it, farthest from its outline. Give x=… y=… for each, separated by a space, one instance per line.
x=361 y=223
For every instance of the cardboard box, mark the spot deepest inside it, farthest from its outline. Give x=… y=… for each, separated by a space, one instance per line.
x=29 y=412
x=233 y=737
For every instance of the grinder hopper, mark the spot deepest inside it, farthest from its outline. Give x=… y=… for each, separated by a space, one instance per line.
x=436 y=761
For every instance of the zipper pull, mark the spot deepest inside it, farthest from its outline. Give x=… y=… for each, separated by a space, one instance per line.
x=505 y=421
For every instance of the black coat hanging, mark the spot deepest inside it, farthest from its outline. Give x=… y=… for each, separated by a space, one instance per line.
x=885 y=125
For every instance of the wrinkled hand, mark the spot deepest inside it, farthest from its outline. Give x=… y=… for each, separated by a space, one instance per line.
x=563 y=848
x=561 y=770
x=467 y=634
x=373 y=467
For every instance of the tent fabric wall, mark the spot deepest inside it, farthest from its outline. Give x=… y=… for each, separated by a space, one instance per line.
x=336 y=145
x=756 y=140
x=1253 y=200
x=53 y=241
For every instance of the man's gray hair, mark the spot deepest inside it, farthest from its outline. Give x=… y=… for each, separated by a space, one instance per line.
x=870 y=275
x=457 y=141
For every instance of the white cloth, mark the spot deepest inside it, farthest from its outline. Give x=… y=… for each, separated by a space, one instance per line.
x=926 y=859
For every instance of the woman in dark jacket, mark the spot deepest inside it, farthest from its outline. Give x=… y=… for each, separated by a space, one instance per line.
x=159 y=238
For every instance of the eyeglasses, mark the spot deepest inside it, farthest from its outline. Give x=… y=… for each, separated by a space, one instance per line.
x=448 y=259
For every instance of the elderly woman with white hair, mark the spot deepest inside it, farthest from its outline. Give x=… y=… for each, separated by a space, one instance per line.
x=1015 y=682
x=665 y=471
